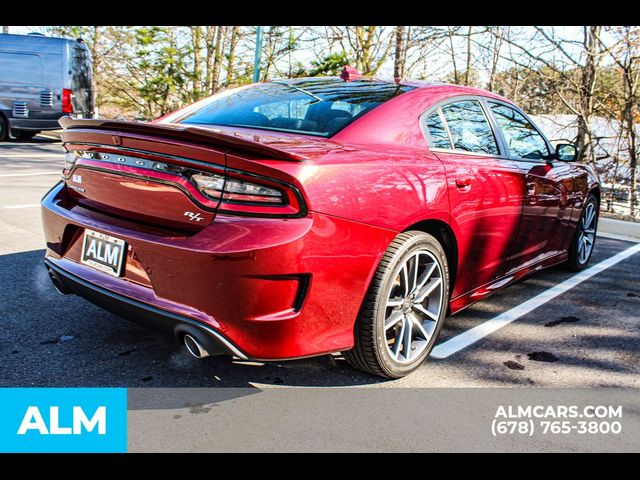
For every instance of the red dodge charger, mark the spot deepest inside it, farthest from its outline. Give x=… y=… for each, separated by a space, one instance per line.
x=310 y=216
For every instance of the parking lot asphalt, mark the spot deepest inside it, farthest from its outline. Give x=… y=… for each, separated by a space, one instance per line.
x=588 y=336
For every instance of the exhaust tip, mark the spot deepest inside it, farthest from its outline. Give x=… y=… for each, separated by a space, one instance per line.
x=194 y=347
x=57 y=282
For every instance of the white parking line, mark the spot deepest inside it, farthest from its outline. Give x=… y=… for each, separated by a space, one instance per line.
x=463 y=340
x=30 y=174
x=30 y=205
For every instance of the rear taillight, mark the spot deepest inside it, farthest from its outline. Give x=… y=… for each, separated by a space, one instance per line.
x=70 y=160
x=231 y=190
x=67 y=106
x=250 y=196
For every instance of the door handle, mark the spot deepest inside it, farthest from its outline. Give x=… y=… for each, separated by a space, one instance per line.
x=531 y=193
x=463 y=182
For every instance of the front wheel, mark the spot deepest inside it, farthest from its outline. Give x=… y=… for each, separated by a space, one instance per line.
x=4 y=128
x=584 y=237
x=404 y=308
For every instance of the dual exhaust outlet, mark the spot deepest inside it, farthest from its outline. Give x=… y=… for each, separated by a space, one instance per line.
x=194 y=347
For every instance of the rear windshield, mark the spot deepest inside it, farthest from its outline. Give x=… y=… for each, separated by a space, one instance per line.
x=320 y=107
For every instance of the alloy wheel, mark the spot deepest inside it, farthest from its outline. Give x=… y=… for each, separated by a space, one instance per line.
x=413 y=307
x=587 y=233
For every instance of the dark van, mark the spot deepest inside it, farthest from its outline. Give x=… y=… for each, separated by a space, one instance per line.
x=41 y=79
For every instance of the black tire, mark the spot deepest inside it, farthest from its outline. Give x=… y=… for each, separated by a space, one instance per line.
x=577 y=260
x=4 y=128
x=25 y=134
x=371 y=350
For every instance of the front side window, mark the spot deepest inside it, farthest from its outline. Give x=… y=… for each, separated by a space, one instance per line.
x=522 y=138
x=470 y=131
x=319 y=107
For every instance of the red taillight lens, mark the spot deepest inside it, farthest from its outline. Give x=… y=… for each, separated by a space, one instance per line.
x=245 y=196
x=233 y=190
x=67 y=106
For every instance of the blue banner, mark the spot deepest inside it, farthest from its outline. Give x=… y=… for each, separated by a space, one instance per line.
x=57 y=420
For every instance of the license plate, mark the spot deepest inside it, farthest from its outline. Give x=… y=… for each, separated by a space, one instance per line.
x=103 y=252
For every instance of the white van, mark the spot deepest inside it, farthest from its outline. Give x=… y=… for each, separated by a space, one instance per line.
x=41 y=79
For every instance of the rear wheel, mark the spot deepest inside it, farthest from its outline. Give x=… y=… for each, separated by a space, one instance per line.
x=25 y=134
x=4 y=129
x=404 y=308
x=584 y=237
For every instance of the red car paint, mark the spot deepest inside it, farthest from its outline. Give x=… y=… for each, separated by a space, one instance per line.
x=291 y=287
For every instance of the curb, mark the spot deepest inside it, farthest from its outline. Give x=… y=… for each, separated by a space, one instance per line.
x=620 y=228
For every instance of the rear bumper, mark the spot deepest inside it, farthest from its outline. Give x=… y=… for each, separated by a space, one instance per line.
x=50 y=122
x=273 y=288
x=140 y=312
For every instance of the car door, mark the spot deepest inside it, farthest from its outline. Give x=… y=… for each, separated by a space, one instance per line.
x=485 y=189
x=546 y=226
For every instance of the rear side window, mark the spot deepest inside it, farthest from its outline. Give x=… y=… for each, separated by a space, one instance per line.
x=437 y=131
x=319 y=107
x=469 y=129
x=20 y=69
x=522 y=138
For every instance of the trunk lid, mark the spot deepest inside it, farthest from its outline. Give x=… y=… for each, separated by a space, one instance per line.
x=141 y=172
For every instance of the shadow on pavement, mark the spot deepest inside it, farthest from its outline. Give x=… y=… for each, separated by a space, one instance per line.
x=50 y=340
x=38 y=139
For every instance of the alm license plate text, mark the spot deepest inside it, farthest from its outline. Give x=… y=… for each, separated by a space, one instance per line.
x=103 y=252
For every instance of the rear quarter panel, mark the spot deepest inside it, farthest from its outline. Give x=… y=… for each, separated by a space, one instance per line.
x=384 y=175
x=390 y=187
x=391 y=179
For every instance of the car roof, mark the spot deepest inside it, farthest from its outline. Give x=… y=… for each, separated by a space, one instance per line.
x=310 y=83
x=337 y=81
x=37 y=42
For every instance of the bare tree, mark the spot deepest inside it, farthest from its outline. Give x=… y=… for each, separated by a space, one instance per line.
x=196 y=45
x=626 y=54
x=210 y=37
x=567 y=68
x=492 y=48
x=231 y=56
x=587 y=86
x=399 y=58
x=369 y=45
x=467 y=69
x=217 y=58
x=451 y=32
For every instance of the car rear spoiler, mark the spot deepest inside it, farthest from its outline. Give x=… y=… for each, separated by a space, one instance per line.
x=201 y=135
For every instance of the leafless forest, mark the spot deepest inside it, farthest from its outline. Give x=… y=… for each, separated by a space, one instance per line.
x=582 y=82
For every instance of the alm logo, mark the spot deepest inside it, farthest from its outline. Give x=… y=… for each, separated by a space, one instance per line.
x=63 y=420
x=33 y=420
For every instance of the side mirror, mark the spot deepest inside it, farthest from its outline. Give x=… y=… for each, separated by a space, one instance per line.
x=566 y=152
